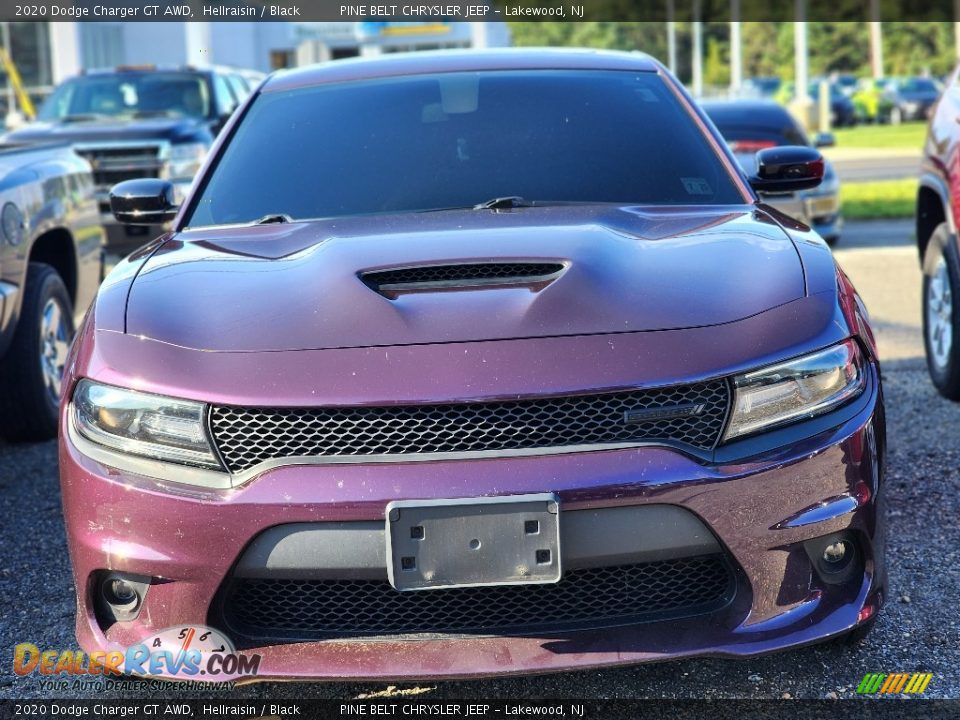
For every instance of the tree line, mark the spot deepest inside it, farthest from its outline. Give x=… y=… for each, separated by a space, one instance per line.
x=909 y=48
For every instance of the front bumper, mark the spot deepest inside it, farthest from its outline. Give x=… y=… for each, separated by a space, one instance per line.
x=761 y=503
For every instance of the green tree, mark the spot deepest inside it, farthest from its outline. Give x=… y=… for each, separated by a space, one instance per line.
x=647 y=37
x=716 y=66
x=767 y=47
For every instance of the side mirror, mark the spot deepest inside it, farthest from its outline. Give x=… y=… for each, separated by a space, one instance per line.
x=146 y=201
x=787 y=169
x=824 y=139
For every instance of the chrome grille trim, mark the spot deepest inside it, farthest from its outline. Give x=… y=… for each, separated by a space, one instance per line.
x=114 y=162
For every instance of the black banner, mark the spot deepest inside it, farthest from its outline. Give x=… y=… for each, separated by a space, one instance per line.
x=474 y=10
x=443 y=709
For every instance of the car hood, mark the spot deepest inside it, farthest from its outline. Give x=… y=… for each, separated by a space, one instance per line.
x=108 y=130
x=299 y=285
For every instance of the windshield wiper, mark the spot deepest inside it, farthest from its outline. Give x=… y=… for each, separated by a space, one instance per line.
x=515 y=201
x=275 y=218
x=503 y=203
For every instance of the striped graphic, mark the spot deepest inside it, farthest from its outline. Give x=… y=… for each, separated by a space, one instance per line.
x=910 y=683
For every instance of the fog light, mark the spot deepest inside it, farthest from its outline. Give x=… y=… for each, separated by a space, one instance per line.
x=122 y=594
x=836 y=558
x=118 y=597
x=835 y=553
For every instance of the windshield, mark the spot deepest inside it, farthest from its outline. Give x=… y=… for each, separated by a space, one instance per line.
x=431 y=142
x=172 y=94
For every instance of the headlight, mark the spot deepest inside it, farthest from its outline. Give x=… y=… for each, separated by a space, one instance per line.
x=185 y=160
x=138 y=423
x=797 y=389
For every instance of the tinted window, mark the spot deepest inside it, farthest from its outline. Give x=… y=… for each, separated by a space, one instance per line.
x=454 y=140
x=129 y=94
x=742 y=126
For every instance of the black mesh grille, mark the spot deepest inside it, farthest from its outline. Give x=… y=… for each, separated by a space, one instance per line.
x=448 y=273
x=247 y=436
x=314 y=609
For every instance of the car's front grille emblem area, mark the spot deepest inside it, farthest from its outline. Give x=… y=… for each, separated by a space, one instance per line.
x=246 y=437
x=287 y=609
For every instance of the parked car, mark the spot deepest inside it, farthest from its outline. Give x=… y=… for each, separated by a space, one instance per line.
x=936 y=231
x=535 y=384
x=911 y=98
x=842 y=111
x=137 y=122
x=761 y=87
x=750 y=126
x=871 y=100
x=844 y=82
x=50 y=239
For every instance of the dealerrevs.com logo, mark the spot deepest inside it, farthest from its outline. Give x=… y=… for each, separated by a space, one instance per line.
x=192 y=652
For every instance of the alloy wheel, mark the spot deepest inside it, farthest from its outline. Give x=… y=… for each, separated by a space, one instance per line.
x=940 y=315
x=54 y=344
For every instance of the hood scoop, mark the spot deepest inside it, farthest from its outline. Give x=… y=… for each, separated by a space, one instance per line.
x=392 y=282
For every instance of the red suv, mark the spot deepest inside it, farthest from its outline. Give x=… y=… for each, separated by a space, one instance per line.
x=938 y=213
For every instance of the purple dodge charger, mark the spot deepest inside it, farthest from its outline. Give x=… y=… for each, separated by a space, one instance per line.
x=456 y=364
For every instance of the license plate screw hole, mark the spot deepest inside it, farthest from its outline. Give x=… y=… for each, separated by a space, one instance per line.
x=416 y=532
x=543 y=557
x=408 y=563
x=532 y=527
x=474 y=544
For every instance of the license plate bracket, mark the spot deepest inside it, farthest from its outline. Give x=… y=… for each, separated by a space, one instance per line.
x=466 y=542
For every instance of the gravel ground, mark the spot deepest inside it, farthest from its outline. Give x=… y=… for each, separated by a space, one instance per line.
x=917 y=630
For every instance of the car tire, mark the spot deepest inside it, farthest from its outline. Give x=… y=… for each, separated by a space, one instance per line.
x=941 y=314
x=29 y=394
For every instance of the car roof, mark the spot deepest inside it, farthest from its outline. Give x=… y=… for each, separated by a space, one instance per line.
x=747 y=112
x=439 y=61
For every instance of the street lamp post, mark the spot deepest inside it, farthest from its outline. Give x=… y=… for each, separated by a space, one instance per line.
x=956 y=28
x=672 y=38
x=697 y=51
x=876 y=40
x=736 y=50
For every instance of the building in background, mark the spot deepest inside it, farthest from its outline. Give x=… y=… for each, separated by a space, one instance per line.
x=48 y=52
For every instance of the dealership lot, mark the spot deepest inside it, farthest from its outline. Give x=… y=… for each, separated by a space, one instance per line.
x=917 y=631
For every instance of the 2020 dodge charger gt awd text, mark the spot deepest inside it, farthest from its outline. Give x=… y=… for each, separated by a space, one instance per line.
x=469 y=363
